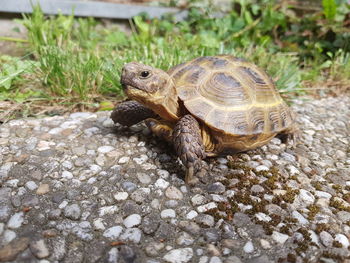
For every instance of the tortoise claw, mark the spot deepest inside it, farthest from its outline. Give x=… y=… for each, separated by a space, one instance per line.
x=194 y=175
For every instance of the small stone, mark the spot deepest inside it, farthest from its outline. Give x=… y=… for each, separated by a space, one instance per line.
x=140 y=195
x=39 y=249
x=8 y=236
x=215 y=259
x=44 y=145
x=10 y=251
x=216 y=188
x=203 y=259
x=211 y=235
x=30 y=201
x=343 y=216
x=288 y=157
x=132 y=220
x=161 y=183
x=144 y=178
x=314 y=237
x=132 y=235
x=153 y=249
x=129 y=186
x=98 y=224
x=43 y=189
x=82 y=115
x=173 y=193
x=67 y=164
x=321 y=194
x=262 y=217
x=140 y=160
x=113 y=232
x=206 y=207
x=213 y=250
x=279 y=237
x=113 y=255
x=304 y=199
x=67 y=175
x=120 y=196
x=79 y=151
x=248 y=247
x=16 y=220
x=230 y=243
x=171 y=203
x=232 y=259
x=257 y=189
x=218 y=198
x=342 y=239
x=206 y=220
x=198 y=199
x=54 y=214
x=302 y=220
x=2 y=226
x=105 y=149
x=293 y=170
x=31 y=185
x=226 y=251
x=150 y=223
x=168 y=213
x=72 y=212
x=265 y=244
x=124 y=159
x=261 y=168
x=192 y=214
x=326 y=239
x=184 y=239
x=164 y=174
x=190 y=227
x=340 y=154
x=181 y=255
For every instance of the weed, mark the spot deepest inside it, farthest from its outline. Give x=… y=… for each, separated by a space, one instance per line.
x=78 y=61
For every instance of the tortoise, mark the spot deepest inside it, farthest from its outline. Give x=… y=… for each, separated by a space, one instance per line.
x=208 y=106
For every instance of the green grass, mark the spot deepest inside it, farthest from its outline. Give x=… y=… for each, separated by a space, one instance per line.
x=78 y=61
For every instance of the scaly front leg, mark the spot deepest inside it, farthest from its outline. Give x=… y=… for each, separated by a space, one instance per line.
x=189 y=147
x=128 y=113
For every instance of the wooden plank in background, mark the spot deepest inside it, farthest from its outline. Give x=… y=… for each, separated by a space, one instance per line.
x=88 y=8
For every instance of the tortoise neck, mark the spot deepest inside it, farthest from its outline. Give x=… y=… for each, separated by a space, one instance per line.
x=166 y=105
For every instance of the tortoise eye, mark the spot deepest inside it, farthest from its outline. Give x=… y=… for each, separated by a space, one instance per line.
x=145 y=74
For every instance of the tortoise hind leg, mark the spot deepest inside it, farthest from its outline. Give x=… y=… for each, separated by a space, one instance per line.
x=130 y=112
x=189 y=147
x=291 y=134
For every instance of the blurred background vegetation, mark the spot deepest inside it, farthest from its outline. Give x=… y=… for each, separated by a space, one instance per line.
x=74 y=63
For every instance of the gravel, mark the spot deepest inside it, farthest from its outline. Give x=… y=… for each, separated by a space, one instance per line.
x=77 y=187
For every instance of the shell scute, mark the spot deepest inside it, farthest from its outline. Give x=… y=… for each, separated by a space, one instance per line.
x=224 y=89
x=274 y=118
x=254 y=75
x=218 y=64
x=257 y=119
x=236 y=123
x=202 y=107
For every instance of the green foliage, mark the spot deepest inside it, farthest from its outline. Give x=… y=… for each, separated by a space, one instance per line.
x=12 y=69
x=329 y=9
x=79 y=60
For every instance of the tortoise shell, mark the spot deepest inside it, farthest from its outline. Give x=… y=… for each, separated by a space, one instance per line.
x=231 y=96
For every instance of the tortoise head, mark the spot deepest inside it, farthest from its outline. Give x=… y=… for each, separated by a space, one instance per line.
x=150 y=86
x=144 y=83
